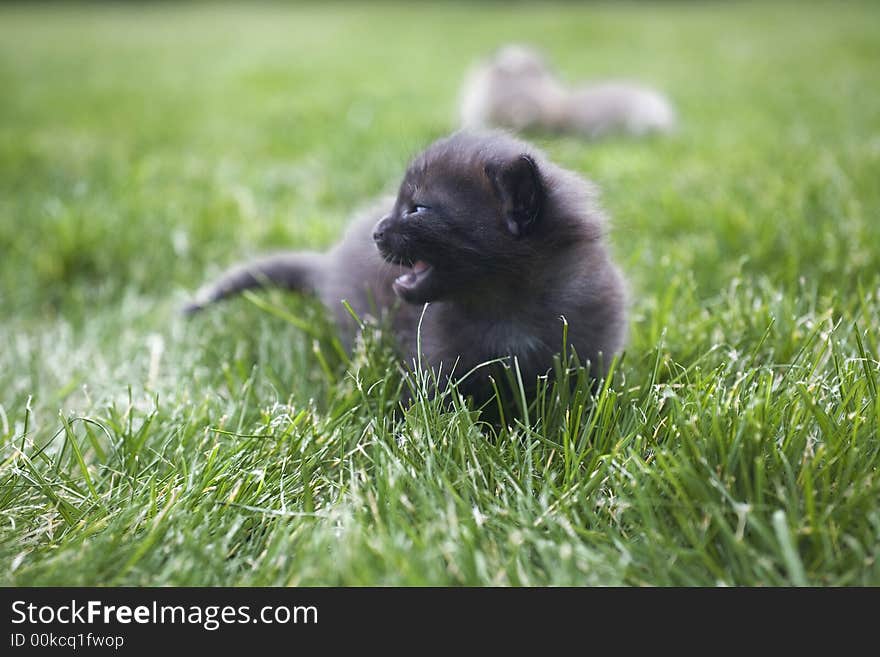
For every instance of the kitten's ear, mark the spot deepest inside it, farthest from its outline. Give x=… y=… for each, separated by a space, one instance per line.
x=518 y=186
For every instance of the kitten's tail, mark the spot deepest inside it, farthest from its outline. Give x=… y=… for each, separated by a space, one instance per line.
x=293 y=271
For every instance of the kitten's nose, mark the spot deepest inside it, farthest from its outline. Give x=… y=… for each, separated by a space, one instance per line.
x=379 y=230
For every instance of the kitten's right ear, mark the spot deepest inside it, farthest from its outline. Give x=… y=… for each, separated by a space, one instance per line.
x=520 y=190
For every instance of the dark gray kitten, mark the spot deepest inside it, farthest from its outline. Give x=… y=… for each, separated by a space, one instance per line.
x=500 y=242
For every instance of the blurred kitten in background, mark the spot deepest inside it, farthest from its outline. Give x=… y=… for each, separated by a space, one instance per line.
x=516 y=89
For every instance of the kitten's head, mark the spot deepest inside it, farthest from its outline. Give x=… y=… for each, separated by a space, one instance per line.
x=519 y=62
x=467 y=213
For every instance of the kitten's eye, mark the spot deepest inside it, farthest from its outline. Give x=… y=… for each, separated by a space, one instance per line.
x=418 y=209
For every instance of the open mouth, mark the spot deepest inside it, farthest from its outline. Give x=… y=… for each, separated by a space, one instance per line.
x=412 y=279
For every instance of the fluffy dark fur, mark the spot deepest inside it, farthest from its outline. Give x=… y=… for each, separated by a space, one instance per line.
x=501 y=244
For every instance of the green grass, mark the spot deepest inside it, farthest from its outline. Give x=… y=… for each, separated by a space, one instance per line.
x=144 y=147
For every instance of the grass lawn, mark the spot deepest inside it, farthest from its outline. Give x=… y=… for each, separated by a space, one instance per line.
x=144 y=147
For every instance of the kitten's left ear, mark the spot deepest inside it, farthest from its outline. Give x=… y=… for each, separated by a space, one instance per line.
x=519 y=188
